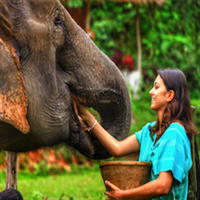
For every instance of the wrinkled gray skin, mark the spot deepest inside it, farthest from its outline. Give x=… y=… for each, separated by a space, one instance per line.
x=59 y=60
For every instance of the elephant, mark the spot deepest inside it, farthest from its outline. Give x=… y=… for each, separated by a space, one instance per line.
x=47 y=62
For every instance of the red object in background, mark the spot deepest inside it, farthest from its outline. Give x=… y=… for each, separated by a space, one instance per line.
x=90 y=33
x=129 y=61
x=117 y=57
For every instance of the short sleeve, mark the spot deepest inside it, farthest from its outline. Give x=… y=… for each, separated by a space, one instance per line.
x=145 y=141
x=172 y=153
x=142 y=134
x=139 y=136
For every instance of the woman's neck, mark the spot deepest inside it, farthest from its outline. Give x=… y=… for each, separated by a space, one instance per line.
x=160 y=118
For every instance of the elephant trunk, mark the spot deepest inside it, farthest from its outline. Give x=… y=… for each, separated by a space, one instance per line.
x=115 y=118
x=98 y=83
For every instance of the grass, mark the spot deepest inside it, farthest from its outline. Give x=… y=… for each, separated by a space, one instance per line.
x=83 y=183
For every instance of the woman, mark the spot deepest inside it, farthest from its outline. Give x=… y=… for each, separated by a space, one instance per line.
x=165 y=143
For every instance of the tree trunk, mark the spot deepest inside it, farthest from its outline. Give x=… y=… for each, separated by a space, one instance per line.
x=139 y=46
x=192 y=192
x=87 y=18
x=11 y=169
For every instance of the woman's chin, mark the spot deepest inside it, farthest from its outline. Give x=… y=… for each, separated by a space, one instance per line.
x=153 y=108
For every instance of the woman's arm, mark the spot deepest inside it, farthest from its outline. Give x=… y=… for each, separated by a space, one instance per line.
x=152 y=189
x=115 y=148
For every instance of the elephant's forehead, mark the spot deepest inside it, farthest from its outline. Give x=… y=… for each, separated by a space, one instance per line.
x=37 y=9
x=40 y=6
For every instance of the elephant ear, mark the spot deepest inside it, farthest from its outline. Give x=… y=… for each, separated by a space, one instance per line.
x=13 y=99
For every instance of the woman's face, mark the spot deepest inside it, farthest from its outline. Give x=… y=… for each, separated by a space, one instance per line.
x=159 y=95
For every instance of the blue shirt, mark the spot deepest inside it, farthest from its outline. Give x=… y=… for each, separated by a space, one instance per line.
x=172 y=153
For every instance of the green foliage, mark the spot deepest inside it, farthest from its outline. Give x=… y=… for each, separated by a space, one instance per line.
x=141 y=111
x=74 y=3
x=41 y=168
x=112 y=23
x=170 y=35
x=170 y=40
x=38 y=195
x=2 y=156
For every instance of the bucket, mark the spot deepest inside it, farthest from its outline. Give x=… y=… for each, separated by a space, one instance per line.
x=125 y=174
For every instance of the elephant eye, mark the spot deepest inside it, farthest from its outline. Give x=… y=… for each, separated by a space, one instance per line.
x=58 y=20
x=58 y=35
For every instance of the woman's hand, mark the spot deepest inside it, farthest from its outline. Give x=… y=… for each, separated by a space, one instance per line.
x=85 y=116
x=83 y=112
x=114 y=193
x=84 y=126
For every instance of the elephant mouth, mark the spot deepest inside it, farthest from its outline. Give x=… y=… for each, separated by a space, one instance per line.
x=109 y=111
x=106 y=105
x=88 y=103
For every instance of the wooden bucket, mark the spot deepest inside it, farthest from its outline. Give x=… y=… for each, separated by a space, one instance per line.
x=125 y=174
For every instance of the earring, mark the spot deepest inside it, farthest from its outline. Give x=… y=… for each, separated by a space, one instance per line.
x=167 y=100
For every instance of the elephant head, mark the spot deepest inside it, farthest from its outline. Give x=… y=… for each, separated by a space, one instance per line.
x=46 y=61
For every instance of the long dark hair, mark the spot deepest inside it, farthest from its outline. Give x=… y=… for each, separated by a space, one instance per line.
x=179 y=109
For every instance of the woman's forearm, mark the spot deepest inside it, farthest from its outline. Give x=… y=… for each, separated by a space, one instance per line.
x=114 y=147
x=152 y=189
x=107 y=140
x=149 y=190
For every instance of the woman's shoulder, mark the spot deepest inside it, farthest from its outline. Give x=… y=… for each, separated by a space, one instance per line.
x=177 y=125
x=178 y=131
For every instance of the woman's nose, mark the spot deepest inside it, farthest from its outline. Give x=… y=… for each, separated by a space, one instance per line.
x=151 y=91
